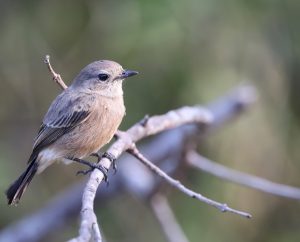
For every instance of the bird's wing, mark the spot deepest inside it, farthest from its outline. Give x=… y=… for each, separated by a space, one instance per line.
x=64 y=114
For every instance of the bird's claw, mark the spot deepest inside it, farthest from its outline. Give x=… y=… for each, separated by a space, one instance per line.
x=112 y=159
x=92 y=166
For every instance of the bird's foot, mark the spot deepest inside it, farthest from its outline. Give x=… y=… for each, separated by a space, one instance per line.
x=92 y=166
x=109 y=156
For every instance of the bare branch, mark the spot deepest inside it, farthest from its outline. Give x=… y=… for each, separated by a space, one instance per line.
x=176 y=184
x=55 y=76
x=165 y=147
x=152 y=126
x=202 y=163
x=147 y=127
x=88 y=218
x=166 y=219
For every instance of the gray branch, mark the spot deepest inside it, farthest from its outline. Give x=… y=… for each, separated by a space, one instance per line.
x=164 y=149
x=179 y=186
x=218 y=170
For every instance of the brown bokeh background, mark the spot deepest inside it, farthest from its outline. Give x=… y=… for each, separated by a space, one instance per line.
x=187 y=52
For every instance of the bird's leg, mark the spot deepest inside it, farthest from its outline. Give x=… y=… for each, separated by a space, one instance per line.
x=109 y=156
x=91 y=166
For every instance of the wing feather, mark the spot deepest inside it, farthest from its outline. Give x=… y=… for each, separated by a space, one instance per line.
x=59 y=120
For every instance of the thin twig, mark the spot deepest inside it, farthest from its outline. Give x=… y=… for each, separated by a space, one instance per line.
x=166 y=218
x=202 y=163
x=55 y=76
x=176 y=184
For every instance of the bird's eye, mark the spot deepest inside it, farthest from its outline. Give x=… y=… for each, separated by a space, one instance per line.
x=103 y=76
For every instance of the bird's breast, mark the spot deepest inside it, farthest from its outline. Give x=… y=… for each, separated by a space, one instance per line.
x=99 y=128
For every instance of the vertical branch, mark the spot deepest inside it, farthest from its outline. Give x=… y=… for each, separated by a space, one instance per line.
x=166 y=219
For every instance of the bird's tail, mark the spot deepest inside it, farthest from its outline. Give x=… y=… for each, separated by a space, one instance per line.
x=16 y=189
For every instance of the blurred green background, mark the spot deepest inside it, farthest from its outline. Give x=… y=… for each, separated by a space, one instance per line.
x=187 y=52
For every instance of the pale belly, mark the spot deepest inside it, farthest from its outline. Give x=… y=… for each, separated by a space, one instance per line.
x=93 y=133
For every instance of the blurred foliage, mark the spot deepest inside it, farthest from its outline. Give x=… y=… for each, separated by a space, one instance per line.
x=187 y=52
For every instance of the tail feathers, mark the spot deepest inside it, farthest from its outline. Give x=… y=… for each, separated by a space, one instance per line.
x=16 y=190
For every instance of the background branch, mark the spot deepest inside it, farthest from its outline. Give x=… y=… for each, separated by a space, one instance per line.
x=166 y=219
x=218 y=170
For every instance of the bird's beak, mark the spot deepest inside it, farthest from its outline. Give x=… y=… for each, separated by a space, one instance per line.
x=128 y=73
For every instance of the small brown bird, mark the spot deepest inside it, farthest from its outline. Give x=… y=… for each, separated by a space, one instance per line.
x=82 y=119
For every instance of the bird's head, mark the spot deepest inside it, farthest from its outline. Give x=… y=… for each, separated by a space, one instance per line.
x=104 y=77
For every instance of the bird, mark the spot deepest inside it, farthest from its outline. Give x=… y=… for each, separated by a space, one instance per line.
x=80 y=120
